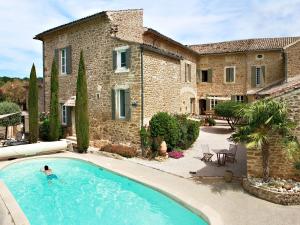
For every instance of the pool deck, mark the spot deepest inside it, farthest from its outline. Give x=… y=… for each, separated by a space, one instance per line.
x=221 y=203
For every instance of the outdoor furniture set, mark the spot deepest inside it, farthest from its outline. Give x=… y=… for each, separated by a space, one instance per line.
x=223 y=155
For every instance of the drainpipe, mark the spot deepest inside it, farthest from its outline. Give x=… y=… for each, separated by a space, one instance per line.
x=285 y=66
x=142 y=92
x=44 y=89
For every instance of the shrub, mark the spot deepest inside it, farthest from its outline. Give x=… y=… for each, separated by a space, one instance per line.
x=145 y=137
x=44 y=130
x=165 y=126
x=297 y=165
x=189 y=131
x=230 y=110
x=123 y=150
x=211 y=122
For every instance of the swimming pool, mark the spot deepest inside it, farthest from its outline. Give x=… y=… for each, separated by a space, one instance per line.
x=87 y=194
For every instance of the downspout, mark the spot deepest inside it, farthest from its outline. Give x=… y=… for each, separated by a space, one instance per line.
x=285 y=66
x=44 y=89
x=142 y=93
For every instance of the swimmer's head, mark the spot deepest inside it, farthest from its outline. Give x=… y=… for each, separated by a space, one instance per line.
x=46 y=167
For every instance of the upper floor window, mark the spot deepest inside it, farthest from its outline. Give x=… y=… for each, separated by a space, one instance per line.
x=204 y=75
x=188 y=72
x=258 y=75
x=230 y=74
x=121 y=59
x=259 y=56
x=63 y=58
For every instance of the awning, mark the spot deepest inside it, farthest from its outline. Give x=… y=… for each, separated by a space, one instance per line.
x=70 y=102
x=7 y=115
x=219 y=98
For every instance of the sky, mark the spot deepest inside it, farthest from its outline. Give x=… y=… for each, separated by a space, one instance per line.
x=187 y=21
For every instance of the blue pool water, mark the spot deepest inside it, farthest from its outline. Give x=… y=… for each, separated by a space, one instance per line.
x=89 y=195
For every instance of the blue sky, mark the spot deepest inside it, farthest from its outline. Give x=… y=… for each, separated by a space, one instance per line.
x=188 y=21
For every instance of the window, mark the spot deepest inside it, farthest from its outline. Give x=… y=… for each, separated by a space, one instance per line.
x=64 y=115
x=229 y=74
x=258 y=75
x=204 y=75
x=121 y=58
x=259 y=56
x=213 y=103
x=188 y=71
x=240 y=98
x=63 y=61
x=122 y=112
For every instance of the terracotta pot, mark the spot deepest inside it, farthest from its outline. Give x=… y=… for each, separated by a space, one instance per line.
x=163 y=149
x=228 y=176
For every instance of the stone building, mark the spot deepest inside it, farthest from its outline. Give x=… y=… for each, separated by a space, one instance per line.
x=134 y=72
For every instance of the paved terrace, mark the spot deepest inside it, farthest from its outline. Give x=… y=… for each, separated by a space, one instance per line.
x=227 y=203
x=216 y=137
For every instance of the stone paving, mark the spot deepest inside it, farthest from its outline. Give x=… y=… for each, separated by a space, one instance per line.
x=216 y=137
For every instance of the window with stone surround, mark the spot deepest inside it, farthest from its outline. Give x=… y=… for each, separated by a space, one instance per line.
x=258 y=75
x=121 y=108
x=121 y=59
x=230 y=74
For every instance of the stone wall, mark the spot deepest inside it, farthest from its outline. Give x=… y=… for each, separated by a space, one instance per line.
x=164 y=86
x=293 y=59
x=94 y=38
x=272 y=61
x=280 y=165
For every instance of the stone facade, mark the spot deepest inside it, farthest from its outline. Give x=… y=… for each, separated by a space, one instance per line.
x=280 y=164
x=293 y=59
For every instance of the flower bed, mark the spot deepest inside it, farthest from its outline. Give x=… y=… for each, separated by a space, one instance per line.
x=280 y=191
x=176 y=154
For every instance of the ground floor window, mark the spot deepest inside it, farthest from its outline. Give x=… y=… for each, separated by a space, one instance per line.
x=240 y=98
x=122 y=111
x=213 y=103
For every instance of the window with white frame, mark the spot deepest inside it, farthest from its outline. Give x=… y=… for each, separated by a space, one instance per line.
x=122 y=106
x=64 y=115
x=239 y=98
x=121 y=59
x=258 y=75
x=63 y=61
x=230 y=74
x=213 y=103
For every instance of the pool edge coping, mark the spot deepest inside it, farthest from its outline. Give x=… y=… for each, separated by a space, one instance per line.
x=203 y=211
x=12 y=206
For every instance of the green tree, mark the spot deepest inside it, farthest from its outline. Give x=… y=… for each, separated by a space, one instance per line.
x=230 y=110
x=265 y=118
x=81 y=109
x=54 y=104
x=33 y=107
x=12 y=120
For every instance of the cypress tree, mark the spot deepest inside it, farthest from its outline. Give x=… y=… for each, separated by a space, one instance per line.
x=54 y=105
x=81 y=109
x=33 y=107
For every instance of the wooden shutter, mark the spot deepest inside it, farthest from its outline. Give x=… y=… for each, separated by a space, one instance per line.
x=68 y=60
x=263 y=74
x=113 y=104
x=127 y=104
x=207 y=104
x=128 y=58
x=185 y=72
x=232 y=74
x=190 y=72
x=56 y=55
x=233 y=97
x=69 y=116
x=253 y=76
x=227 y=75
x=245 y=99
x=114 y=58
x=198 y=75
x=209 y=75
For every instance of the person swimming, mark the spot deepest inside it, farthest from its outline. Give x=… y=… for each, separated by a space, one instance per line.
x=48 y=172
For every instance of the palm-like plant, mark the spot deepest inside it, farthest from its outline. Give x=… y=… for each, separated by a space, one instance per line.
x=264 y=119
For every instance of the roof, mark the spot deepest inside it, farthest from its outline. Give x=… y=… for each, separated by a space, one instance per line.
x=156 y=33
x=82 y=20
x=259 y=44
x=161 y=51
x=291 y=84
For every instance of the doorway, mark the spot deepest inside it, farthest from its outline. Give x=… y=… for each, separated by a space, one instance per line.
x=202 y=106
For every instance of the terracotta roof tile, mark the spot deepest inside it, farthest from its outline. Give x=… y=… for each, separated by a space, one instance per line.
x=244 y=45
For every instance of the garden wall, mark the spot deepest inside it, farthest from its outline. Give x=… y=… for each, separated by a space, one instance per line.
x=280 y=165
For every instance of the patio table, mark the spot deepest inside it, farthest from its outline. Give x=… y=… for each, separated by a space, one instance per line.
x=221 y=156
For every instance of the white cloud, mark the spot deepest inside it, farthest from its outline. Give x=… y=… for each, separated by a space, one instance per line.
x=189 y=21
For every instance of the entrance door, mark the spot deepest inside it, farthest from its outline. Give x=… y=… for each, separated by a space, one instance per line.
x=202 y=106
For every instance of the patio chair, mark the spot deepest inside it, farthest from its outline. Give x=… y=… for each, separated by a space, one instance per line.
x=207 y=156
x=231 y=155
